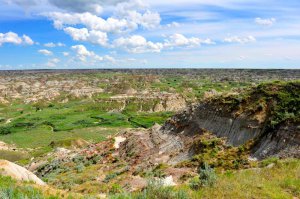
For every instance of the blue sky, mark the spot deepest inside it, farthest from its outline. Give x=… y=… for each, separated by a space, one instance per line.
x=37 y=34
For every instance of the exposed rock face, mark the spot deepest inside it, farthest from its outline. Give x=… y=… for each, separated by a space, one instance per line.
x=18 y=173
x=281 y=142
x=285 y=142
x=154 y=102
x=172 y=142
x=238 y=130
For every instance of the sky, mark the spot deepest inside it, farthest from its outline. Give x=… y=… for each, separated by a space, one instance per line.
x=71 y=34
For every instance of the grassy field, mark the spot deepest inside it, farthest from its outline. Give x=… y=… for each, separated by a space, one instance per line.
x=29 y=127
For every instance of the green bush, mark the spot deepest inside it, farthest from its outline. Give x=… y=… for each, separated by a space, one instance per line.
x=79 y=168
x=155 y=190
x=207 y=178
x=207 y=175
x=5 y=130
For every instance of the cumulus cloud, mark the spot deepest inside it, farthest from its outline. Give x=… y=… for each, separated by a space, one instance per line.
x=90 y=21
x=128 y=16
x=27 y=40
x=45 y=52
x=14 y=38
x=137 y=44
x=136 y=11
x=52 y=45
x=90 y=57
x=173 y=25
x=82 y=53
x=265 y=22
x=179 y=40
x=83 y=34
x=241 y=40
x=66 y=54
x=52 y=62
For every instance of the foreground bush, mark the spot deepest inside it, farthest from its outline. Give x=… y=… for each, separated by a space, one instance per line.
x=155 y=190
x=207 y=177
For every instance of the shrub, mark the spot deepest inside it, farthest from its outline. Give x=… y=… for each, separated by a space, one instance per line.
x=115 y=188
x=79 y=168
x=109 y=177
x=155 y=190
x=5 y=130
x=207 y=175
x=195 y=183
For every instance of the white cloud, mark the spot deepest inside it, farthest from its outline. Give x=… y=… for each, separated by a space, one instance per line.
x=173 y=25
x=90 y=57
x=82 y=53
x=45 y=52
x=90 y=21
x=127 y=18
x=137 y=12
x=241 y=40
x=109 y=58
x=14 y=38
x=66 y=54
x=265 y=22
x=52 y=62
x=52 y=45
x=179 y=40
x=83 y=34
x=137 y=44
x=27 y=40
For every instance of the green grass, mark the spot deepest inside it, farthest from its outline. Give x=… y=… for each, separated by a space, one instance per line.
x=9 y=189
x=13 y=156
x=43 y=136
x=30 y=127
x=280 y=182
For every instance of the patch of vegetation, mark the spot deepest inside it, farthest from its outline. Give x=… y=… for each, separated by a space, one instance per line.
x=207 y=177
x=217 y=154
x=13 y=156
x=10 y=189
x=280 y=181
x=5 y=130
x=278 y=101
x=155 y=190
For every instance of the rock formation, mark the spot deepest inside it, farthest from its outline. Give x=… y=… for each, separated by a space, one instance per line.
x=18 y=173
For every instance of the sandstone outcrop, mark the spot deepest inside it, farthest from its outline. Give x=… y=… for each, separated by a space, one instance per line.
x=18 y=173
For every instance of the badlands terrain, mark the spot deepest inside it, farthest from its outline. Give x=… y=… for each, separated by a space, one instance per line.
x=150 y=134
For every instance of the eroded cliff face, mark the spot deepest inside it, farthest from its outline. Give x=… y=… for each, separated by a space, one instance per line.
x=284 y=142
x=266 y=116
x=238 y=130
